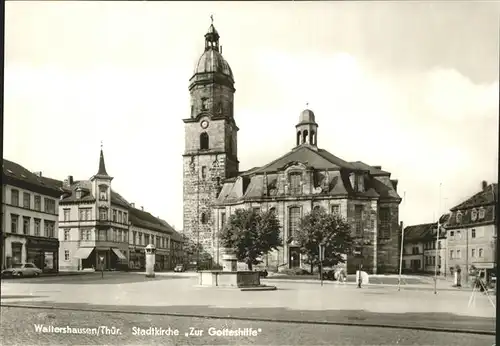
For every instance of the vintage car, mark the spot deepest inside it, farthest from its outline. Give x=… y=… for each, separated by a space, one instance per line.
x=22 y=269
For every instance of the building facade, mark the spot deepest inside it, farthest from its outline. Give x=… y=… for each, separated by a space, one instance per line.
x=305 y=178
x=98 y=228
x=472 y=233
x=422 y=248
x=93 y=224
x=29 y=218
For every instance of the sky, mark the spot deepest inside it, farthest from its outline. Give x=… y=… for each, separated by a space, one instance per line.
x=410 y=86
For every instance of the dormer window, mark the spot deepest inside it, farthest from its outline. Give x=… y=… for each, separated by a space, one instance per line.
x=103 y=193
x=459 y=217
x=473 y=215
x=481 y=213
x=78 y=194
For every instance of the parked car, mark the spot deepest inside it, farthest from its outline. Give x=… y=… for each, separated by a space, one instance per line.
x=263 y=273
x=179 y=268
x=20 y=270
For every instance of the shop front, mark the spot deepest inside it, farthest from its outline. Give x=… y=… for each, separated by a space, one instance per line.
x=42 y=252
x=137 y=259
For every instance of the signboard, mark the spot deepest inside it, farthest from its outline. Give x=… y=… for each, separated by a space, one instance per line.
x=42 y=243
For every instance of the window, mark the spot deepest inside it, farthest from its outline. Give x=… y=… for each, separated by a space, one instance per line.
x=473 y=233
x=458 y=235
x=336 y=209
x=223 y=220
x=114 y=215
x=125 y=215
x=26 y=200
x=38 y=203
x=415 y=250
x=203 y=218
x=66 y=214
x=203 y=172
x=473 y=253
x=115 y=235
x=204 y=141
x=49 y=205
x=103 y=235
x=134 y=239
x=14 y=219
x=85 y=214
x=451 y=254
x=26 y=225
x=295 y=186
x=158 y=241
x=439 y=244
x=103 y=213
x=14 y=197
x=480 y=253
x=256 y=210
x=385 y=222
x=66 y=255
x=459 y=254
x=103 y=193
x=459 y=217
x=293 y=221
x=85 y=234
x=37 y=227
x=146 y=239
x=358 y=219
x=140 y=238
x=119 y=216
x=204 y=102
x=316 y=208
x=481 y=213
x=49 y=228
x=66 y=234
x=452 y=233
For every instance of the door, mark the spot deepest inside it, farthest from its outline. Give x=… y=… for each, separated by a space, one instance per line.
x=294 y=257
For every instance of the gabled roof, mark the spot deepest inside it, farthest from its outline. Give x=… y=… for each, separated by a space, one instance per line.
x=14 y=173
x=144 y=219
x=365 y=167
x=485 y=197
x=320 y=159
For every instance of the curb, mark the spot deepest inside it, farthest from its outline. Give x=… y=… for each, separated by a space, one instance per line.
x=259 y=319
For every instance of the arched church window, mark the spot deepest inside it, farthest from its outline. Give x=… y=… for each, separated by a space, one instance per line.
x=298 y=137
x=204 y=218
x=305 y=136
x=204 y=103
x=313 y=138
x=204 y=140
x=103 y=193
x=316 y=208
x=295 y=186
x=272 y=210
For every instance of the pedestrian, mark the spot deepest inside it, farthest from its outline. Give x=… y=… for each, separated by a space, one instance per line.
x=359 y=275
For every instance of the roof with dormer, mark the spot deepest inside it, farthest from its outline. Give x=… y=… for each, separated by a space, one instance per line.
x=425 y=231
x=17 y=175
x=487 y=196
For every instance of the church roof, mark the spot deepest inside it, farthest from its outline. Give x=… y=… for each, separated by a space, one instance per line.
x=319 y=159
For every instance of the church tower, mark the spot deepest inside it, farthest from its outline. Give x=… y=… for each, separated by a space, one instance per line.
x=210 y=154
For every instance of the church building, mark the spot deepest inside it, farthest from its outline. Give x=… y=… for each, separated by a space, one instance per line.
x=298 y=181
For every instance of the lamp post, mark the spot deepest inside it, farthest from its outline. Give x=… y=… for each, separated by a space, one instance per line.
x=437 y=241
x=402 y=245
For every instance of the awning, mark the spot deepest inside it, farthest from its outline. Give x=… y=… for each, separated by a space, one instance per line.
x=83 y=252
x=119 y=253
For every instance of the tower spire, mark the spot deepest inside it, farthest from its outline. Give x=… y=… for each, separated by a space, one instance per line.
x=102 y=166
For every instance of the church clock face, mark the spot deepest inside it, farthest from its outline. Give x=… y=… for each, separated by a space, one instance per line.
x=204 y=124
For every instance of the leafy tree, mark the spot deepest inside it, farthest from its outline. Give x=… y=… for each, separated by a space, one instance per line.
x=195 y=252
x=330 y=230
x=251 y=234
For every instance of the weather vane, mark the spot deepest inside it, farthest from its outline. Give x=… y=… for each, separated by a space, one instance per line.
x=212 y=18
x=307 y=104
x=101 y=144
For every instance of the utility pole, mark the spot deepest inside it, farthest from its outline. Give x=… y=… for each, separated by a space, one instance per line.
x=402 y=245
x=437 y=241
x=466 y=255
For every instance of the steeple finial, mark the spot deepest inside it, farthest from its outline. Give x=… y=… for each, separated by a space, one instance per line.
x=307 y=104
x=101 y=144
x=212 y=18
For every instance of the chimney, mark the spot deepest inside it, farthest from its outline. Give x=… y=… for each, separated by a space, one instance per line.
x=395 y=184
x=221 y=49
x=132 y=205
x=38 y=174
x=142 y=208
x=484 y=185
x=70 y=179
x=378 y=167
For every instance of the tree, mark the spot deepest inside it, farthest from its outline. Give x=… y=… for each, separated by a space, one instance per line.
x=195 y=252
x=251 y=234
x=330 y=230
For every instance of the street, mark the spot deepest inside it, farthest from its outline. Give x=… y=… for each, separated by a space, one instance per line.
x=302 y=313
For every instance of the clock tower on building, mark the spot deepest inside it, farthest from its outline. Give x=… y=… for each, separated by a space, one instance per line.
x=210 y=154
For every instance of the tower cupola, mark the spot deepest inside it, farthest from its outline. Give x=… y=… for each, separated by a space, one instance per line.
x=307 y=129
